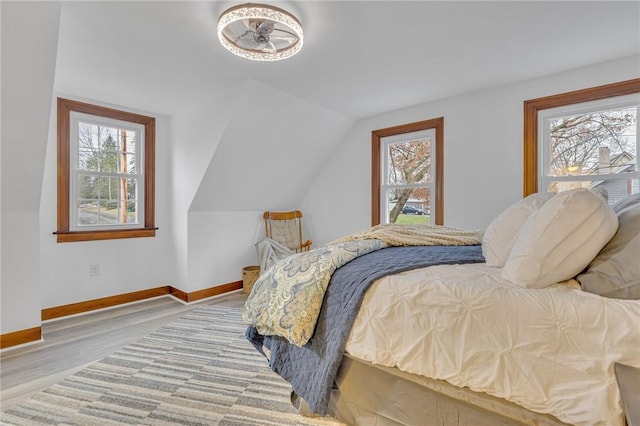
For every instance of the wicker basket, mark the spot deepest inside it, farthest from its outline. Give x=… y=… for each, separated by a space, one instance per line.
x=249 y=276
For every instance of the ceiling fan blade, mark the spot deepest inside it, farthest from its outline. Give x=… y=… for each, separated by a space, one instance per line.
x=288 y=40
x=249 y=24
x=265 y=28
x=269 y=47
x=245 y=36
x=282 y=33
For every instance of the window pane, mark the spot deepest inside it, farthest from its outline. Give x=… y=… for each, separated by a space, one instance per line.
x=599 y=142
x=409 y=162
x=87 y=212
x=109 y=156
x=129 y=141
x=132 y=214
x=128 y=203
x=408 y=205
x=88 y=160
x=88 y=136
x=109 y=196
x=106 y=201
x=131 y=189
x=87 y=187
x=616 y=189
x=130 y=160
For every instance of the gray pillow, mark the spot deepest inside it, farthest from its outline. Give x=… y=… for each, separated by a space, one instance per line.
x=615 y=271
x=626 y=202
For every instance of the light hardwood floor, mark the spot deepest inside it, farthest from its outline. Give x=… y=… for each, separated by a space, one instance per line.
x=72 y=343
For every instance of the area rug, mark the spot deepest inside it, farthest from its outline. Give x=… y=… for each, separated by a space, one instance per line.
x=197 y=370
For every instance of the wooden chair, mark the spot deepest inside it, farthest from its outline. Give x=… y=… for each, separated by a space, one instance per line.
x=286 y=228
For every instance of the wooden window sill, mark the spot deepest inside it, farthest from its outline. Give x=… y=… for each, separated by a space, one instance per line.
x=75 y=236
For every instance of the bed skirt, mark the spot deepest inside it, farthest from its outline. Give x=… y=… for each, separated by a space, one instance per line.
x=370 y=394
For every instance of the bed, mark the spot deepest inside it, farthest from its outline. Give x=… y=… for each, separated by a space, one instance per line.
x=522 y=325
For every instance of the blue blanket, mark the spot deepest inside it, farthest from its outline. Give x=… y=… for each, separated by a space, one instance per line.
x=311 y=369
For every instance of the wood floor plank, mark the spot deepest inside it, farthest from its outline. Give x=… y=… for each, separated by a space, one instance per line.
x=72 y=343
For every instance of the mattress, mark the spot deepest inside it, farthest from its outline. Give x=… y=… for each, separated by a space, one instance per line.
x=549 y=350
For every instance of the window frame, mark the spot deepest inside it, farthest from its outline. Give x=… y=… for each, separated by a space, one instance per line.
x=437 y=124
x=101 y=121
x=64 y=232
x=533 y=107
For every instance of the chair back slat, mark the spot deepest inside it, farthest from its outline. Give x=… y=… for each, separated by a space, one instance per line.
x=285 y=228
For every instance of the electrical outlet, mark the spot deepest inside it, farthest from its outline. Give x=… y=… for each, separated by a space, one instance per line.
x=94 y=270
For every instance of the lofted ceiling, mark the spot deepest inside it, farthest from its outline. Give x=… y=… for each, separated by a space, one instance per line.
x=234 y=120
x=359 y=58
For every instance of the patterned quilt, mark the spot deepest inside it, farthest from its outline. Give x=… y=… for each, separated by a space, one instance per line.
x=286 y=299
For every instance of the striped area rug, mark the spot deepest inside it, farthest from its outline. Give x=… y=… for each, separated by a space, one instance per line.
x=197 y=370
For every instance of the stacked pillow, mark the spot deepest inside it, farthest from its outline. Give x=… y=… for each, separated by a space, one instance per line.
x=615 y=272
x=559 y=236
x=501 y=233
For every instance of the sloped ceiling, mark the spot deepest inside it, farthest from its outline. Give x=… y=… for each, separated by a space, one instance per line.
x=360 y=59
x=27 y=85
x=273 y=147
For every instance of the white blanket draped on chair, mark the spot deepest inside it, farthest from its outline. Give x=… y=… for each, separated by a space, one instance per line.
x=270 y=251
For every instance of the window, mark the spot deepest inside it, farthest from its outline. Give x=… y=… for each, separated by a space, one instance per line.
x=407 y=173
x=590 y=145
x=105 y=173
x=587 y=138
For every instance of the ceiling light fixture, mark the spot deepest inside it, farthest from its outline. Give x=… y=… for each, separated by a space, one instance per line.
x=260 y=32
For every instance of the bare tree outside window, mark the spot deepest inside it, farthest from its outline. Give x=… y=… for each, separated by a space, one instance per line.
x=409 y=163
x=594 y=143
x=595 y=149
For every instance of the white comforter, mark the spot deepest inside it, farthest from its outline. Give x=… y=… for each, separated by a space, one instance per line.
x=549 y=350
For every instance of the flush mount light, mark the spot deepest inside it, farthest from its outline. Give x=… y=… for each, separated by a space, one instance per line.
x=260 y=32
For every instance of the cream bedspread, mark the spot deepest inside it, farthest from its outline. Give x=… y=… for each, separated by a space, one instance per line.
x=549 y=350
x=424 y=234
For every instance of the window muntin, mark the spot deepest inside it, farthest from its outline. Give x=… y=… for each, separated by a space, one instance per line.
x=591 y=145
x=107 y=161
x=114 y=181
x=407 y=184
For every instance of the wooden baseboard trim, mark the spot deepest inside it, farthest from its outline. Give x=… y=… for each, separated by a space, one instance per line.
x=213 y=291
x=104 y=302
x=179 y=294
x=33 y=334
x=20 y=337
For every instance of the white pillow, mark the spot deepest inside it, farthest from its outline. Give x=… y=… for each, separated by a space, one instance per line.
x=560 y=239
x=502 y=231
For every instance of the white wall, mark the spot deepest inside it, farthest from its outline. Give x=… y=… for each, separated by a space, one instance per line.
x=220 y=245
x=272 y=147
x=29 y=46
x=0 y=182
x=192 y=147
x=483 y=152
